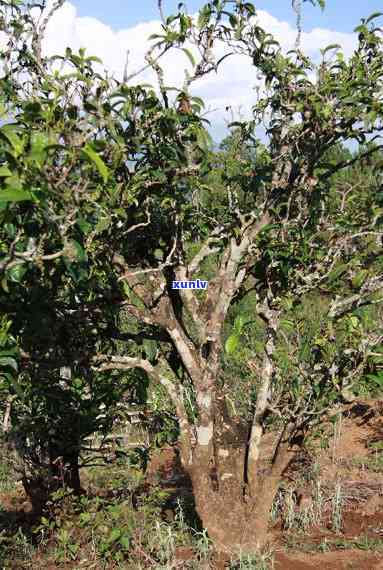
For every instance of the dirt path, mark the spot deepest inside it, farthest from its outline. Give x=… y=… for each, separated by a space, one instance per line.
x=346 y=560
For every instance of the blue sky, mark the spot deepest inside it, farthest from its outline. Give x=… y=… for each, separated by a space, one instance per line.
x=340 y=15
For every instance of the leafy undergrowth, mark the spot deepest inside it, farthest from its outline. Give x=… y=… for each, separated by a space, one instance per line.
x=117 y=523
x=330 y=504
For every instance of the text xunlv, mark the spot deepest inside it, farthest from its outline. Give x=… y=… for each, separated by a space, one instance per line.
x=197 y=284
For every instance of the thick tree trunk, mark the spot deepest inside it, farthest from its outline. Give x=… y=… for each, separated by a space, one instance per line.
x=220 y=506
x=235 y=518
x=263 y=394
x=235 y=522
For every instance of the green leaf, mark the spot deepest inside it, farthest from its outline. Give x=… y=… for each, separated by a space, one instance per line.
x=337 y=272
x=78 y=251
x=84 y=225
x=189 y=55
x=14 y=195
x=150 y=347
x=125 y=541
x=288 y=325
x=4 y=171
x=77 y=272
x=198 y=101
x=85 y=518
x=17 y=272
x=172 y=36
x=204 y=17
x=250 y=8
x=8 y=361
x=39 y=142
x=102 y=224
x=155 y=37
x=361 y=29
x=354 y=322
x=126 y=289
x=330 y=47
x=359 y=278
x=232 y=343
x=204 y=139
x=97 y=161
x=10 y=133
x=4 y=282
x=373 y=16
x=320 y=3
x=159 y=254
x=114 y=535
x=239 y=323
x=376 y=378
x=73 y=547
x=93 y=58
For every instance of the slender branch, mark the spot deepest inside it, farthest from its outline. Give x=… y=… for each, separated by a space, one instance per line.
x=231 y=274
x=297 y=7
x=339 y=307
x=160 y=336
x=161 y=11
x=125 y=72
x=39 y=32
x=350 y=162
x=141 y=224
x=206 y=250
x=148 y=65
x=191 y=303
x=268 y=370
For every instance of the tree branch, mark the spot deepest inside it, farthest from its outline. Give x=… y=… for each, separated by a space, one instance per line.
x=154 y=372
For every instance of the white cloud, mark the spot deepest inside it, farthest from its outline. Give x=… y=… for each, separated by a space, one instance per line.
x=232 y=86
x=311 y=42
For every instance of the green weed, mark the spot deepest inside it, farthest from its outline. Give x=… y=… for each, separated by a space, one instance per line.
x=255 y=561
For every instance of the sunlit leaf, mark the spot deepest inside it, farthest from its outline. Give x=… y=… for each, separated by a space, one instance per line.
x=97 y=161
x=232 y=344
